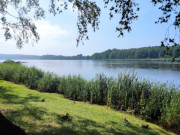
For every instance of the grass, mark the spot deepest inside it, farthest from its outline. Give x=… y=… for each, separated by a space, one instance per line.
x=44 y=118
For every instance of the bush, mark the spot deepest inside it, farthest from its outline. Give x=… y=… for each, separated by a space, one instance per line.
x=49 y=83
x=31 y=77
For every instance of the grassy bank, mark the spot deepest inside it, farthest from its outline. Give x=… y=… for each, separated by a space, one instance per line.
x=44 y=118
x=151 y=101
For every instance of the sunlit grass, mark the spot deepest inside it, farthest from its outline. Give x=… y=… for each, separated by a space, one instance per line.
x=44 y=118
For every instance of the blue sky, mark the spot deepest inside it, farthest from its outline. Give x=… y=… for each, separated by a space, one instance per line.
x=58 y=34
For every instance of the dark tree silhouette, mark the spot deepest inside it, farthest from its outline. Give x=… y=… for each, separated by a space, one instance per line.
x=7 y=128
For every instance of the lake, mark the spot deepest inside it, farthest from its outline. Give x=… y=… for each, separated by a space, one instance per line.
x=154 y=71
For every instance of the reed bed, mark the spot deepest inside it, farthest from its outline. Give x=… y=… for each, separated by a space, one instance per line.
x=151 y=101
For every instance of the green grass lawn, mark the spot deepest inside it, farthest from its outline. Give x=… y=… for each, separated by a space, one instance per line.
x=44 y=118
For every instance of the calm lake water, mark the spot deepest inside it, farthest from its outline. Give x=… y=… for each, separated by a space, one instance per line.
x=154 y=71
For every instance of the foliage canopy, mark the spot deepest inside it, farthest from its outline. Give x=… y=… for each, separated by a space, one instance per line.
x=20 y=25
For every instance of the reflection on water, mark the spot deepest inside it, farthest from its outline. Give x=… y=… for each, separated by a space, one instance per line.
x=143 y=65
x=156 y=71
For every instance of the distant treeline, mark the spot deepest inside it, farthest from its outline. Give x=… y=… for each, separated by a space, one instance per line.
x=137 y=53
x=43 y=57
x=134 y=53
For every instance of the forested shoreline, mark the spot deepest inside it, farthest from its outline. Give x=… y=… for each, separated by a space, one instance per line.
x=138 y=53
x=146 y=53
x=151 y=101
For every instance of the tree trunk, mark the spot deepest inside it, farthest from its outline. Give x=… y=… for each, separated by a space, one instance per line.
x=7 y=128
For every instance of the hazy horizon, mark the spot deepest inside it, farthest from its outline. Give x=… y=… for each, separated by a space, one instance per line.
x=71 y=55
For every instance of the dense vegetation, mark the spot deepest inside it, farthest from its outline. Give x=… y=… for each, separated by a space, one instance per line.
x=24 y=108
x=138 y=53
x=151 y=101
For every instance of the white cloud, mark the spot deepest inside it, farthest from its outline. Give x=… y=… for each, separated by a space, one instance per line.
x=51 y=38
x=47 y=30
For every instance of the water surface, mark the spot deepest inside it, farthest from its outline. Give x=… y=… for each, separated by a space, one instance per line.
x=154 y=71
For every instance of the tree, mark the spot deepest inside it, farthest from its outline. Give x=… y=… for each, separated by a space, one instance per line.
x=23 y=28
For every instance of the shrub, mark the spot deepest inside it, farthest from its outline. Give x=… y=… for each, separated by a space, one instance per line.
x=49 y=83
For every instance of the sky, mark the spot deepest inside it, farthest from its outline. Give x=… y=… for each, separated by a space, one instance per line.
x=58 y=34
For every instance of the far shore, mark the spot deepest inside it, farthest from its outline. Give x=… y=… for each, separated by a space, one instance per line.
x=147 y=59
